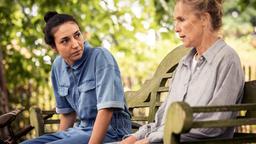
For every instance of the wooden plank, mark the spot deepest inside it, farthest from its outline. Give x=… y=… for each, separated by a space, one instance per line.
x=223 y=108
x=163 y=89
x=248 y=138
x=223 y=123
x=36 y=120
x=139 y=118
x=48 y=112
x=52 y=121
x=167 y=75
x=141 y=105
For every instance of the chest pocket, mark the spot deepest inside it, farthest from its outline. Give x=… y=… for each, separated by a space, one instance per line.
x=63 y=91
x=87 y=100
x=87 y=86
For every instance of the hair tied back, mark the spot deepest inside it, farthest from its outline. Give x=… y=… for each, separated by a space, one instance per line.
x=49 y=15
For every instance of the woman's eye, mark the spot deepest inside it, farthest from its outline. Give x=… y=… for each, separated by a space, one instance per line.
x=64 y=41
x=181 y=19
x=178 y=20
x=77 y=35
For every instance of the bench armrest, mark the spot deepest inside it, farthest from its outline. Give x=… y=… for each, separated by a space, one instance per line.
x=7 y=118
x=179 y=118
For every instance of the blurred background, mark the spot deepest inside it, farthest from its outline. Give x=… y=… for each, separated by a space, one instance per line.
x=139 y=33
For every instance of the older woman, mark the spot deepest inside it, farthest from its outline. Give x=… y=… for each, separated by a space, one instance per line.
x=210 y=74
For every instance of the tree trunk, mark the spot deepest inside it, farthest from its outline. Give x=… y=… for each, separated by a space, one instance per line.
x=4 y=107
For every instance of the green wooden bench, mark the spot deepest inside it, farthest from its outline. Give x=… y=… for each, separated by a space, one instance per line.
x=180 y=119
x=142 y=104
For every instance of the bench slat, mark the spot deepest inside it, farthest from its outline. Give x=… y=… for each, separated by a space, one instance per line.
x=48 y=112
x=223 y=123
x=163 y=89
x=139 y=118
x=167 y=75
x=248 y=138
x=237 y=107
x=52 y=121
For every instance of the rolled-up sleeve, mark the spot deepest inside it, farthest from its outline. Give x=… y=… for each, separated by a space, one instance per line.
x=109 y=89
x=144 y=131
x=154 y=131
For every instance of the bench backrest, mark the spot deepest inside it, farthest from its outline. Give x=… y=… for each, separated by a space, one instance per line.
x=249 y=96
x=148 y=98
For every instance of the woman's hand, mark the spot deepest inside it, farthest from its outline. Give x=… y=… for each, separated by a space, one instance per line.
x=129 y=140
x=143 y=141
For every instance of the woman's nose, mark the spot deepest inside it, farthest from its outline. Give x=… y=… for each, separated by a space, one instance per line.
x=74 y=43
x=177 y=29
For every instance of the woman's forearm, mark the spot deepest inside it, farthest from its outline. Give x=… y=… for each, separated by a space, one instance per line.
x=67 y=120
x=100 y=127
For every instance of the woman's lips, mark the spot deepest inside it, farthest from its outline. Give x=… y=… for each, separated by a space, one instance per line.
x=182 y=37
x=76 y=53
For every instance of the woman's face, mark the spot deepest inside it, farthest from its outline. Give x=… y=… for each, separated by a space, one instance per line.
x=69 y=42
x=188 y=25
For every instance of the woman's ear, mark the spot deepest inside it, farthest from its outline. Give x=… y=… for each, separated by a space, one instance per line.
x=206 y=19
x=55 y=49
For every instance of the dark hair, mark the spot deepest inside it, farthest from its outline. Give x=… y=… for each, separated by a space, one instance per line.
x=213 y=7
x=53 y=19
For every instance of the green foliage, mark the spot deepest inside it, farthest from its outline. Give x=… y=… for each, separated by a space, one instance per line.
x=139 y=33
x=124 y=27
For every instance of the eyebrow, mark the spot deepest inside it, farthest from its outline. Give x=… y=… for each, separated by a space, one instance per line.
x=64 y=38
x=77 y=32
x=178 y=18
x=67 y=37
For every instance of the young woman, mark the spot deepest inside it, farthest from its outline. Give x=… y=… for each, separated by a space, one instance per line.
x=210 y=74
x=87 y=85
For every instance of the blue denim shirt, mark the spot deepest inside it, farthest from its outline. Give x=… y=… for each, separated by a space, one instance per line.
x=90 y=84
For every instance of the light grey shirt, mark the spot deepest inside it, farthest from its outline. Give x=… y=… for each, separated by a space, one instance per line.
x=218 y=79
